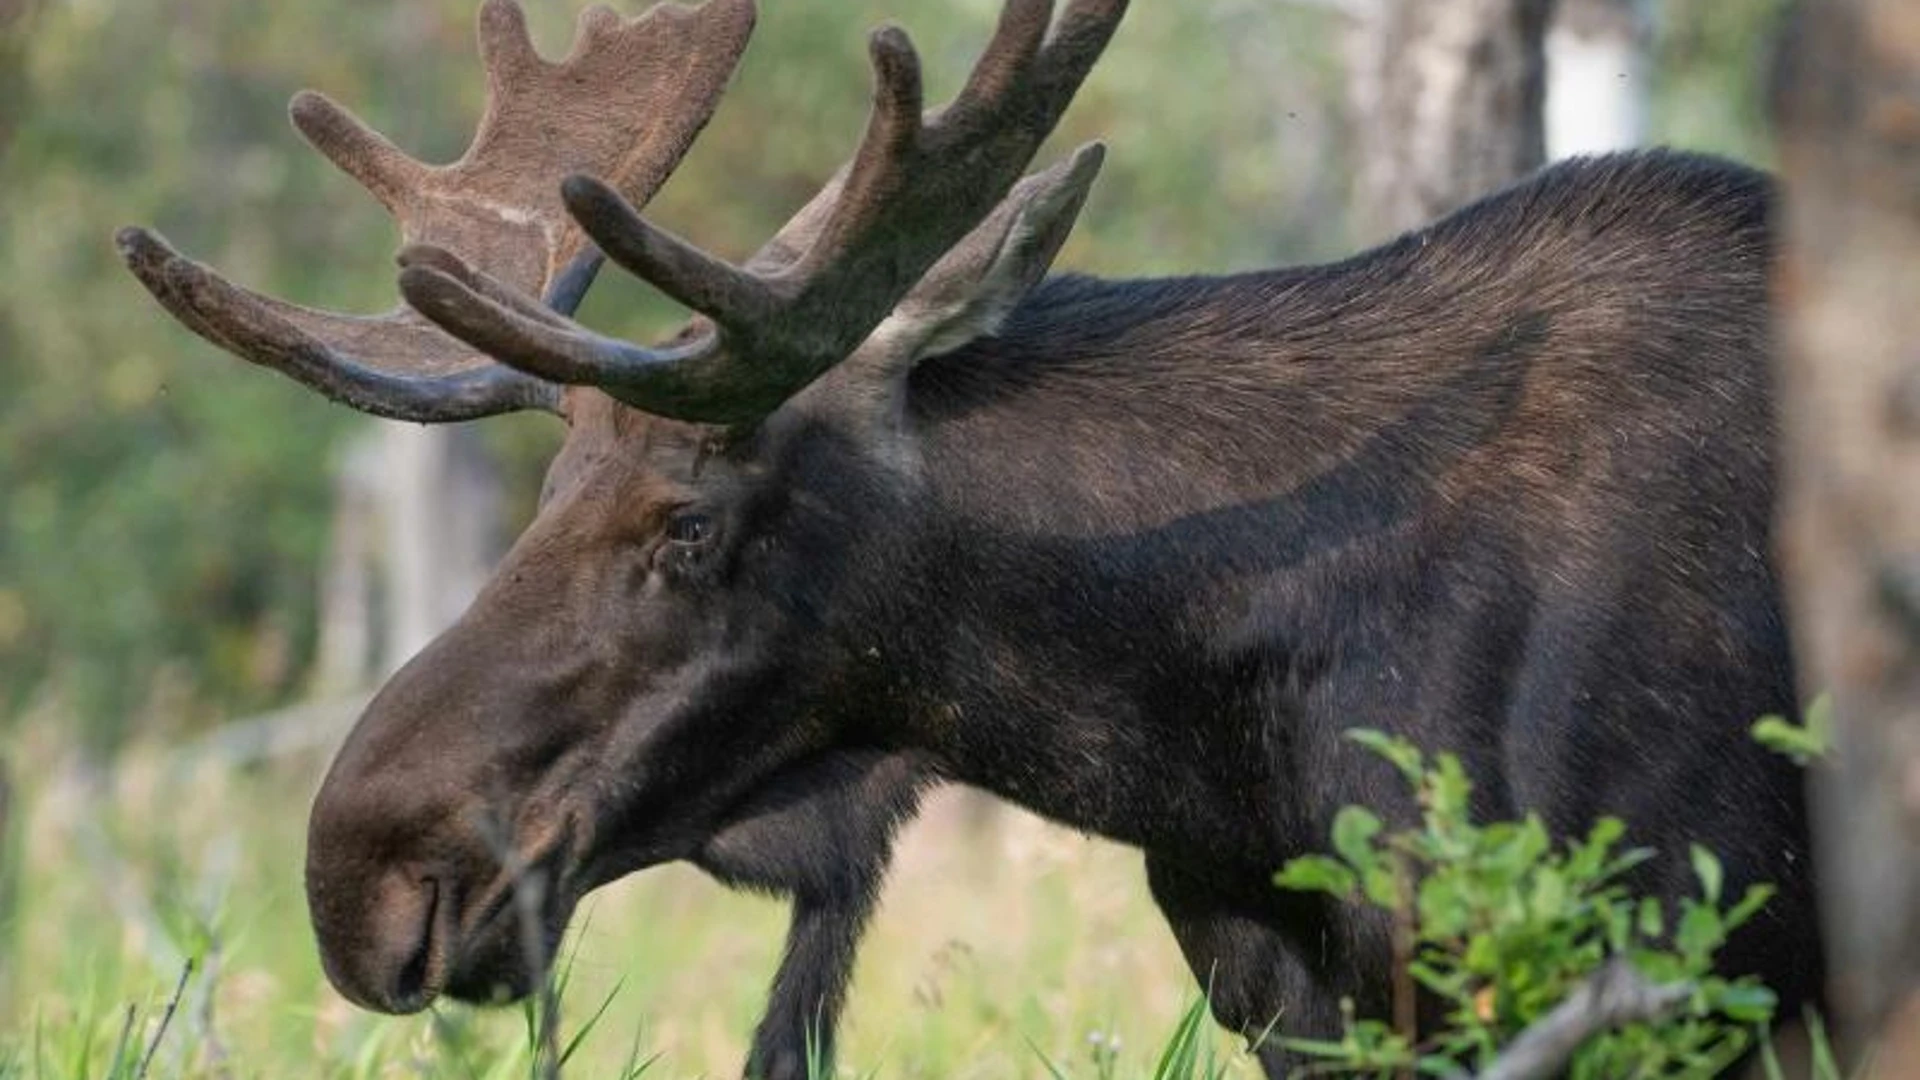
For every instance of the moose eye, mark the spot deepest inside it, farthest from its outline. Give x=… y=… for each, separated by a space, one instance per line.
x=689 y=528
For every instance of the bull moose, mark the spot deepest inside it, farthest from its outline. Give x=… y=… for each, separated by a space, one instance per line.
x=896 y=508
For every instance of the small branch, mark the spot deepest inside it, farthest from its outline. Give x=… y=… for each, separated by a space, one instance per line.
x=1615 y=995
x=159 y=1033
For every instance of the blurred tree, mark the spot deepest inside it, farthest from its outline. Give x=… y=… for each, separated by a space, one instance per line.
x=13 y=48
x=1851 y=420
x=1447 y=100
x=1709 y=67
x=1597 y=59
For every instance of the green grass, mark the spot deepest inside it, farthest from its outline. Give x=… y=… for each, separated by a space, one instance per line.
x=1005 y=948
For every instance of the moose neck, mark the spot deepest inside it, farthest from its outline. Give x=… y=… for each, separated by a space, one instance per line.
x=1140 y=502
x=1154 y=524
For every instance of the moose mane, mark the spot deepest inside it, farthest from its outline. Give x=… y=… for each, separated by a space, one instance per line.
x=1106 y=404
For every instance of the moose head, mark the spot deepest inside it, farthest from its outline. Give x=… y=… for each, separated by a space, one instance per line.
x=681 y=620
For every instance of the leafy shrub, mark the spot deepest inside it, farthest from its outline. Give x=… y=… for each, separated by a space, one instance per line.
x=1504 y=924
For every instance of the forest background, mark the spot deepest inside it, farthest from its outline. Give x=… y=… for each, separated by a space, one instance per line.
x=169 y=518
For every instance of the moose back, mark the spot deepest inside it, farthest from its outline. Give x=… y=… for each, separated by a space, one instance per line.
x=897 y=508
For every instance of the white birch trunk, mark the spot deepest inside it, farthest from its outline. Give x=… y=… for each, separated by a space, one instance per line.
x=442 y=521
x=1447 y=99
x=1597 y=77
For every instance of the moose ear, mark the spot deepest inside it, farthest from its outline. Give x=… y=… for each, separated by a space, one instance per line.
x=969 y=292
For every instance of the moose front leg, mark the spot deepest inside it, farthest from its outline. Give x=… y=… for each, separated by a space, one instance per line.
x=822 y=834
x=1257 y=981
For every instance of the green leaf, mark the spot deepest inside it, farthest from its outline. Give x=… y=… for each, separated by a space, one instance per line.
x=1746 y=1003
x=1749 y=905
x=1706 y=866
x=1449 y=787
x=1449 y=984
x=1549 y=893
x=1626 y=861
x=1700 y=933
x=1589 y=857
x=1317 y=873
x=1618 y=924
x=1381 y=885
x=1824 y=1065
x=1442 y=907
x=1482 y=955
x=1803 y=743
x=592 y=1021
x=1402 y=754
x=1652 y=921
x=1177 y=1058
x=1354 y=828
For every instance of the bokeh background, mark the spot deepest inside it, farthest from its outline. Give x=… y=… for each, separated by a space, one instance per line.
x=179 y=532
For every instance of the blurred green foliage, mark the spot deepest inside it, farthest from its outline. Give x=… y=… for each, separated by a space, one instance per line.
x=163 y=509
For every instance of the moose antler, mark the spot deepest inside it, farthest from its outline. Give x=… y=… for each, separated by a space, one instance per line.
x=914 y=191
x=626 y=103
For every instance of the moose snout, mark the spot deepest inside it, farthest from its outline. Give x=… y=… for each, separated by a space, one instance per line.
x=385 y=946
x=408 y=910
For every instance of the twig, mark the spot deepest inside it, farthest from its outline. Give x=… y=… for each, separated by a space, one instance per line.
x=173 y=1003
x=213 y=1052
x=1617 y=994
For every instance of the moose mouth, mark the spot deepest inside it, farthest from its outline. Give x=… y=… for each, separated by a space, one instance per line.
x=494 y=952
x=504 y=956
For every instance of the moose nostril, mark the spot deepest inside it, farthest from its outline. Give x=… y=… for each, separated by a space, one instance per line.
x=411 y=990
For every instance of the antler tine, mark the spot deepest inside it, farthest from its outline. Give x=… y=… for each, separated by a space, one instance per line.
x=476 y=311
x=684 y=272
x=1017 y=39
x=626 y=103
x=386 y=171
x=917 y=185
x=506 y=49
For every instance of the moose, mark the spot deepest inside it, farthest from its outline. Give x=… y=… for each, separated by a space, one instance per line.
x=897 y=508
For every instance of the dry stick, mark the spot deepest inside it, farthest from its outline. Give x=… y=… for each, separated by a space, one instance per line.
x=1617 y=994
x=213 y=1053
x=173 y=1003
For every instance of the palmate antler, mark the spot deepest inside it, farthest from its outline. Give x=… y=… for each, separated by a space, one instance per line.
x=625 y=104
x=925 y=201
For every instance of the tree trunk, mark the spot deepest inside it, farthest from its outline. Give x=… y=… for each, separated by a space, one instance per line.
x=1447 y=98
x=1850 y=288
x=1597 y=77
x=347 y=656
x=442 y=515
x=416 y=533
